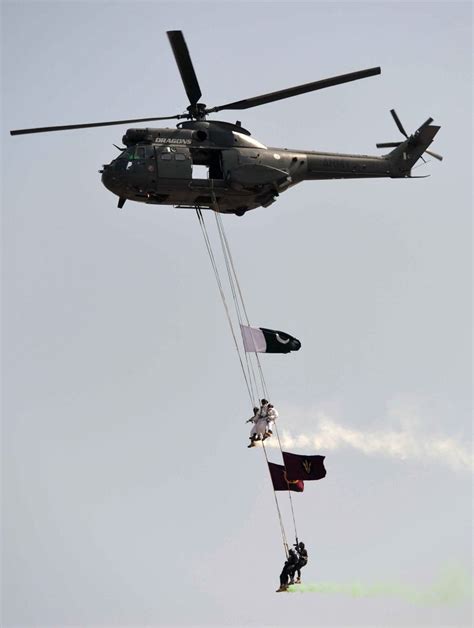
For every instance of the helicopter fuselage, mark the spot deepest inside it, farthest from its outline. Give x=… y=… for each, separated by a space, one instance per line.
x=159 y=166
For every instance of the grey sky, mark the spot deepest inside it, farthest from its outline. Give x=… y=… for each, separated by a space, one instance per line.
x=129 y=497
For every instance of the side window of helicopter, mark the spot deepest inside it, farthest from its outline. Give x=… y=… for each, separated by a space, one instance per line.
x=140 y=152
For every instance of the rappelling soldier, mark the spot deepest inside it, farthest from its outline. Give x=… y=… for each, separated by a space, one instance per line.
x=263 y=421
x=264 y=408
x=301 y=562
x=288 y=569
x=259 y=420
x=253 y=432
x=272 y=416
x=265 y=405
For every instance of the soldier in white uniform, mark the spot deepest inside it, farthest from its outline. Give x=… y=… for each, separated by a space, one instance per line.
x=272 y=416
x=259 y=420
x=263 y=420
x=253 y=432
x=264 y=408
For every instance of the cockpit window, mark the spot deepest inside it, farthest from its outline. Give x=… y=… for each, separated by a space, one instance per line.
x=134 y=152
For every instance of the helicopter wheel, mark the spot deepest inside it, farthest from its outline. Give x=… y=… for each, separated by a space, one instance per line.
x=240 y=211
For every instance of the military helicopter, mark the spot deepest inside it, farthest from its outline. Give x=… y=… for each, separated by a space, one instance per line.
x=156 y=164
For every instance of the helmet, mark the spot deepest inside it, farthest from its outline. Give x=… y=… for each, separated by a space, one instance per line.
x=301 y=545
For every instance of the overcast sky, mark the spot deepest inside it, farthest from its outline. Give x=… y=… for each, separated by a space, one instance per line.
x=129 y=496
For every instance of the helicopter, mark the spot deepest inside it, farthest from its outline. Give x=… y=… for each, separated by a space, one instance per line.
x=155 y=165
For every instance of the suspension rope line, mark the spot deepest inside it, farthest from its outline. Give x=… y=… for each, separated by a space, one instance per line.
x=293 y=513
x=232 y=272
x=250 y=369
x=221 y=290
x=221 y=225
x=282 y=528
x=248 y=361
x=234 y=278
x=289 y=491
x=233 y=282
x=240 y=308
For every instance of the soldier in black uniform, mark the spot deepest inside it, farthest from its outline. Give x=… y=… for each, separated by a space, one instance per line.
x=302 y=562
x=288 y=569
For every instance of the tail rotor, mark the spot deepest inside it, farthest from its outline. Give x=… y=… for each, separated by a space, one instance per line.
x=412 y=139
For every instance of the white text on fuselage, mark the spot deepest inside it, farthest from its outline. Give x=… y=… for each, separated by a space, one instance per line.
x=172 y=140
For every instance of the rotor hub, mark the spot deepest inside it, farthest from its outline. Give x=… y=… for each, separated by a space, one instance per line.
x=197 y=111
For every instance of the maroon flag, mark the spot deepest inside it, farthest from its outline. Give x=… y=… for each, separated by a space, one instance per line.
x=280 y=482
x=304 y=467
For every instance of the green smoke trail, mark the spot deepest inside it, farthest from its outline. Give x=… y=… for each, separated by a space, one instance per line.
x=452 y=587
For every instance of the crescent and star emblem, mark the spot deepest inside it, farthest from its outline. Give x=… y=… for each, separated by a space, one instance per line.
x=280 y=339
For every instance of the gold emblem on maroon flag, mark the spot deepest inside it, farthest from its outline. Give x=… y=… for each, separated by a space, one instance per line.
x=289 y=481
x=307 y=466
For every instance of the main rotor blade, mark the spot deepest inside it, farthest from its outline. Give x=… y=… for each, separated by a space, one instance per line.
x=398 y=123
x=67 y=127
x=297 y=90
x=185 y=66
x=388 y=144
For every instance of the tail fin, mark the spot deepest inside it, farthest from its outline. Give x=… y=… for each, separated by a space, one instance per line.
x=405 y=156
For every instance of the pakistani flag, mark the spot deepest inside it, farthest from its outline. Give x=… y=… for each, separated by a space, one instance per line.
x=262 y=340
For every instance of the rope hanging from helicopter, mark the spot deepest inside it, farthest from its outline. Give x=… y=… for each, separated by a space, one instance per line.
x=234 y=278
x=224 y=302
x=254 y=387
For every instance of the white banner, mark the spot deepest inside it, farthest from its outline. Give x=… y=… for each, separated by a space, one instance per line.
x=254 y=340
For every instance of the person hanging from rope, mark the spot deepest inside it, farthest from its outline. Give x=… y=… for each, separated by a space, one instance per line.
x=259 y=426
x=253 y=419
x=288 y=569
x=302 y=562
x=264 y=403
x=259 y=419
x=272 y=416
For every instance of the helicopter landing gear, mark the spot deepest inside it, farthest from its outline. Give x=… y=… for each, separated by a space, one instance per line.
x=240 y=211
